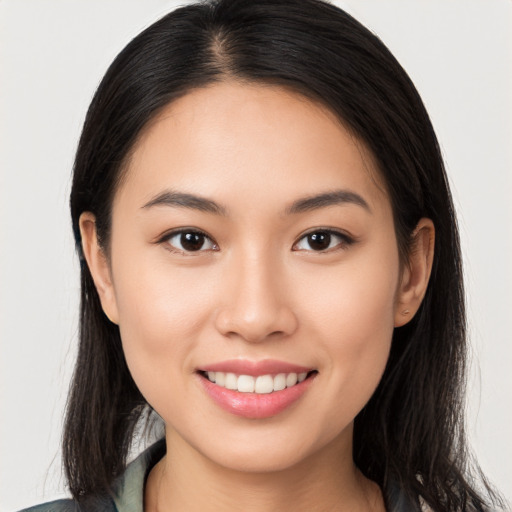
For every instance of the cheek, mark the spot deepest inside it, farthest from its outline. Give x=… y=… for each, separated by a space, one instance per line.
x=161 y=313
x=356 y=298
x=352 y=318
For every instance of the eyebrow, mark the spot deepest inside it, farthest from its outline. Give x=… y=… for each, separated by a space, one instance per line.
x=333 y=198
x=183 y=200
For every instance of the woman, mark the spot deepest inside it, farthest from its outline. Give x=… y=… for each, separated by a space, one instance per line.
x=270 y=261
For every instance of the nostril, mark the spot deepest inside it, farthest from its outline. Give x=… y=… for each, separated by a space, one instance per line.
x=256 y=326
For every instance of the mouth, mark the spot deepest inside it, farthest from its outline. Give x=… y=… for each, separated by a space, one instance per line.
x=255 y=390
x=258 y=384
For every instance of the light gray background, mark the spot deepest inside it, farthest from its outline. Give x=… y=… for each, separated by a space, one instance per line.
x=52 y=55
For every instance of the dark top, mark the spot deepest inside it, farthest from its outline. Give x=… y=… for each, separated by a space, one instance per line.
x=128 y=491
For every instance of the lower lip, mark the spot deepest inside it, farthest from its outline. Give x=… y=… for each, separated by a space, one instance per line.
x=255 y=405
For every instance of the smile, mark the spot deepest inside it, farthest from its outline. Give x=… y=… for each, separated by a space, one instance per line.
x=261 y=384
x=255 y=390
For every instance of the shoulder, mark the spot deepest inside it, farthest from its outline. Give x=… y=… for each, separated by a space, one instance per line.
x=127 y=493
x=54 y=506
x=69 y=505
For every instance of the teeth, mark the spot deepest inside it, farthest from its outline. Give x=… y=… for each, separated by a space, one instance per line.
x=262 y=384
x=246 y=384
x=220 y=379
x=280 y=381
x=291 y=380
x=231 y=381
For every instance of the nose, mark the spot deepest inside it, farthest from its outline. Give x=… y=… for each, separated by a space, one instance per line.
x=257 y=304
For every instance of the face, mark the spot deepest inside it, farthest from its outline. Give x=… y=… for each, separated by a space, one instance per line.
x=252 y=237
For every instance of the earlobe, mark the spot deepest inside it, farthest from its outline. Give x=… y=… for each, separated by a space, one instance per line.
x=98 y=265
x=416 y=273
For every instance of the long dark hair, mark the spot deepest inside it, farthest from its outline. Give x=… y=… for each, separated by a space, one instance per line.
x=411 y=431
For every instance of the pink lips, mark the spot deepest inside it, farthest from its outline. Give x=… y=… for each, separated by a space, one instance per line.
x=254 y=405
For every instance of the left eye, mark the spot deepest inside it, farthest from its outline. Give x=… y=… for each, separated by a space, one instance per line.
x=321 y=241
x=190 y=241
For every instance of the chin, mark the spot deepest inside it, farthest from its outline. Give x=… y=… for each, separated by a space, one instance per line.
x=255 y=461
x=271 y=449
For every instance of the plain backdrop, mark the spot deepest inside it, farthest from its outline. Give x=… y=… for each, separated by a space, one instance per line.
x=52 y=56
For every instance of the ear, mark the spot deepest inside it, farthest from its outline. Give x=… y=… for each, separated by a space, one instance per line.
x=416 y=272
x=98 y=265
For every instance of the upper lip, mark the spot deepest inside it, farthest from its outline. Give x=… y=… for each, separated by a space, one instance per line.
x=255 y=368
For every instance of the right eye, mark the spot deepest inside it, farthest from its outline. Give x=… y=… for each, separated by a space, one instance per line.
x=189 y=241
x=323 y=240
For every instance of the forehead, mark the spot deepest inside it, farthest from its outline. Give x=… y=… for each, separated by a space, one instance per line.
x=250 y=140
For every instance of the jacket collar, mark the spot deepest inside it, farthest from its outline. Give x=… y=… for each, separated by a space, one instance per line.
x=129 y=487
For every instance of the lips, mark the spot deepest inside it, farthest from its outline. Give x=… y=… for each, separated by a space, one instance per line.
x=255 y=389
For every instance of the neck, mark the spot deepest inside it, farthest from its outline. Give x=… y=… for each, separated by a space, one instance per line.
x=325 y=481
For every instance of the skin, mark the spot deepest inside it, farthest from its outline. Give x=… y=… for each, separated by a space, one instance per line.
x=257 y=291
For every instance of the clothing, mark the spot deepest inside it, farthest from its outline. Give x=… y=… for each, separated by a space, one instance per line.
x=128 y=495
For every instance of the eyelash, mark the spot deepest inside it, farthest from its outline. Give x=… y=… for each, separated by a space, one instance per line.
x=184 y=231
x=345 y=241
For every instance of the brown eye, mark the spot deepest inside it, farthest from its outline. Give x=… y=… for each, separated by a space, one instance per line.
x=319 y=241
x=190 y=241
x=322 y=240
